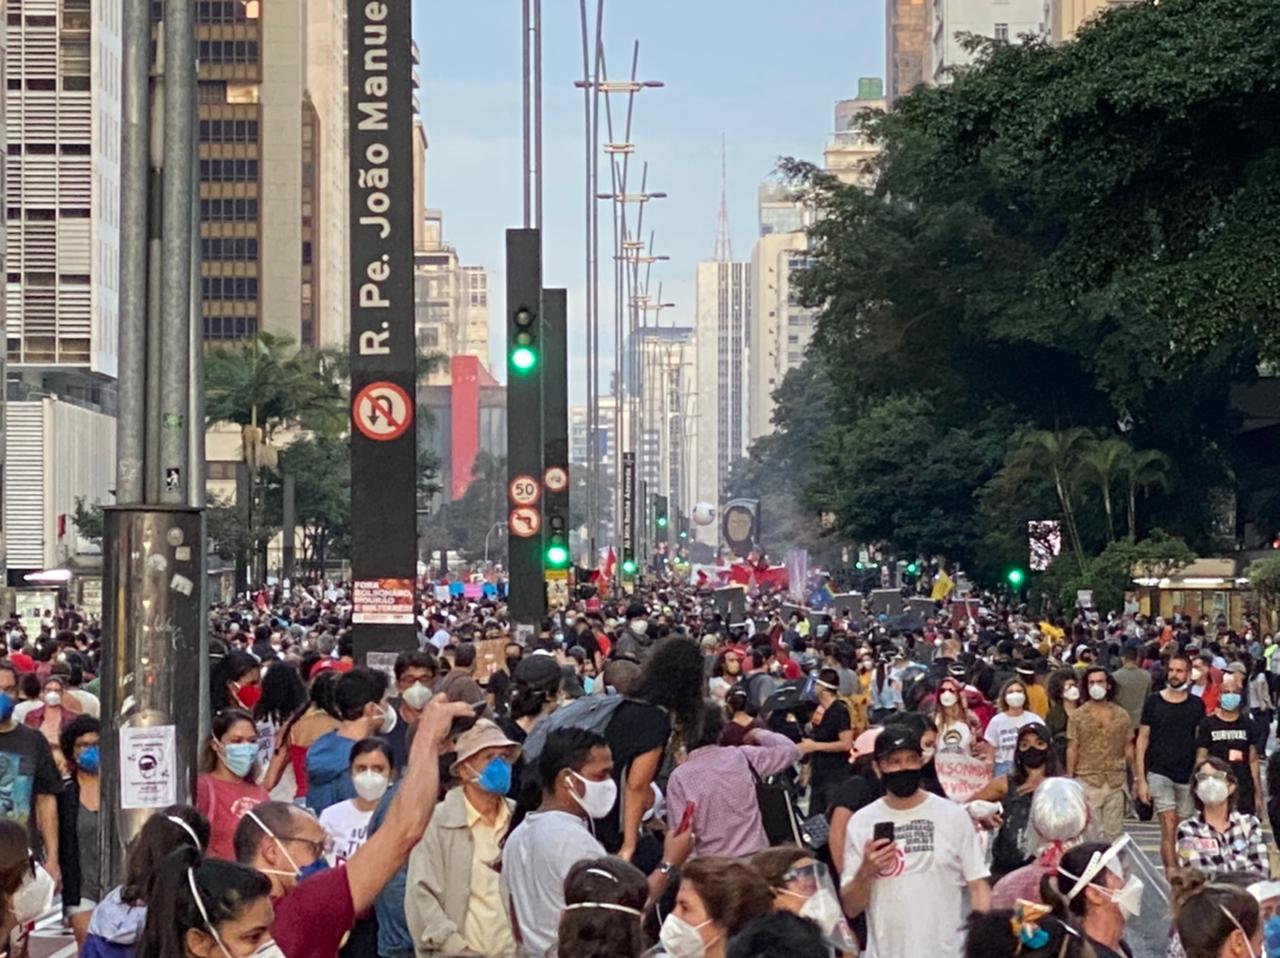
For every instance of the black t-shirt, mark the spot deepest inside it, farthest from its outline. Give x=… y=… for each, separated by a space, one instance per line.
x=588 y=642
x=1230 y=742
x=636 y=728
x=1171 y=747
x=27 y=770
x=856 y=793
x=834 y=721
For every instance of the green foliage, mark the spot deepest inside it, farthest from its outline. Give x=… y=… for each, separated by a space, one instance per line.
x=1110 y=573
x=265 y=382
x=463 y=525
x=1264 y=578
x=321 y=469
x=88 y=520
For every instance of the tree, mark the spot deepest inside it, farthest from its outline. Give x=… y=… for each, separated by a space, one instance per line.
x=1055 y=457
x=464 y=525
x=321 y=469
x=1109 y=574
x=267 y=383
x=1264 y=579
x=1101 y=465
x=1146 y=469
x=88 y=520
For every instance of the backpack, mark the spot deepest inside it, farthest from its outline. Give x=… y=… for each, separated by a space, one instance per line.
x=591 y=712
x=859 y=706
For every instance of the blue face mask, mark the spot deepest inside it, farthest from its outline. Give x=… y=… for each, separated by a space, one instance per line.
x=495 y=777
x=240 y=757
x=317 y=866
x=88 y=760
x=6 y=707
x=1271 y=937
x=1231 y=701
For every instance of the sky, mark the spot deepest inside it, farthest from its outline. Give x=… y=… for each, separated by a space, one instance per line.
x=765 y=75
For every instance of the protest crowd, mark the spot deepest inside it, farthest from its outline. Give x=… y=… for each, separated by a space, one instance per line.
x=651 y=773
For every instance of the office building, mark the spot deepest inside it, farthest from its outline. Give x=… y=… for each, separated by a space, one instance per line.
x=467 y=414
x=1001 y=20
x=780 y=211
x=780 y=327
x=1064 y=18
x=61 y=194
x=451 y=301
x=909 y=45
x=723 y=313
x=580 y=452
x=850 y=153
x=663 y=389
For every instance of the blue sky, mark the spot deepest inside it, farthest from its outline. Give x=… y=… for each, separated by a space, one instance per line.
x=765 y=74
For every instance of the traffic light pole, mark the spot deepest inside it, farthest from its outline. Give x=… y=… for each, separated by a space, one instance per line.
x=526 y=595
x=555 y=444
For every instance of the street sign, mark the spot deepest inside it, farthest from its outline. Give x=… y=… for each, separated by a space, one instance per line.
x=524 y=522
x=557 y=479
x=382 y=411
x=524 y=490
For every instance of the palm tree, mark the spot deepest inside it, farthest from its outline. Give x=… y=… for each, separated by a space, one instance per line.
x=265 y=383
x=1054 y=456
x=1147 y=469
x=1101 y=466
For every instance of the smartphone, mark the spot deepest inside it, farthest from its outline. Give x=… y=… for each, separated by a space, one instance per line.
x=687 y=819
x=882 y=832
x=464 y=722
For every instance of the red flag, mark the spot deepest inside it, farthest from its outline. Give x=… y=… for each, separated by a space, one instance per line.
x=740 y=573
x=774 y=577
x=702 y=579
x=610 y=561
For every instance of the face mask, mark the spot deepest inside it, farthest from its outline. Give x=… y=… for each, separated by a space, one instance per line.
x=53 y=699
x=33 y=897
x=599 y=798
x=1097 y=692
x=681 y=939
x=640 y=626
x=239 y=757
x=1129 y=898
x=512 y=662
x=495 y=777
x=927 y=755
x=1212 y=791
x=389 y=719
x=248 y=695
x=1176 y=687
x=370 y=786
x=1271 y=937
x=1230 y=701
x=88 y=760
x=268 y=949
x=1071 y=694
x=1197 y=675
x=1015 y=700
x=1033 y=757
x=947 y=699
x=903 y=783
x=6 y=707
x=417 y=696
x=823 y=910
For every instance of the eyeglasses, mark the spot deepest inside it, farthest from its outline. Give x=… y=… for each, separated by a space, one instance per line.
x=1210 y=776
x=318 y=848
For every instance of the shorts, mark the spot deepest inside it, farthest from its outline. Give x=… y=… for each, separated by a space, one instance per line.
x=1168 y=796
x=79 y=908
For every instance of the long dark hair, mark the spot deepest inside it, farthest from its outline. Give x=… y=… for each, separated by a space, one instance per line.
x=230 y=668
x=1052 y=767
x=282 y=694
x=1201 y=908
x=222 y=724
x=16 y=866
x=226 y=889
x=673 y=679
x=594 y=932
x=1055 y=887
x=158 y=837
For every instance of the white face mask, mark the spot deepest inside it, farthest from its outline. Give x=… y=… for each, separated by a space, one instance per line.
x=1097 y=692
x=33 y=897
x=639 y=626
x=947 y=699
x=370 y=785
x=681 y=939
x=1071 y=694
x=417 y=696
x=1015 y=700
x=53 y=699
x=1197 y=675
x=599 y=798
x=1212 y=791
x=1129 y=898
x=389 y=719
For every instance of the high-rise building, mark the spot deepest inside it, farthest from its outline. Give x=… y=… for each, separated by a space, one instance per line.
x=1001 y=20
x=1064 y=18
x=850 y=152
x=723 y=295
x=61 y=193
x=451 y=301
x=780 y=327
x=580 y=452
x=662 y=386
x=909 y=45
x=780 y=211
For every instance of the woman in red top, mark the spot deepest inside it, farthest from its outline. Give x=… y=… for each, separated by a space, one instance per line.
x=310 y=722
x=51 y=718
x=227 y=785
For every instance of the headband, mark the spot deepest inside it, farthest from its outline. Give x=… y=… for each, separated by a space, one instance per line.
x=186 y=828
x=607 y=906
x=1096 y=864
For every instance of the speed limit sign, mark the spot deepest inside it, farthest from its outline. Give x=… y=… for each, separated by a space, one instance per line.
x=525 y=490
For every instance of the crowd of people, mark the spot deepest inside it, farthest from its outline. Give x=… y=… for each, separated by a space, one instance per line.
x=644 y=776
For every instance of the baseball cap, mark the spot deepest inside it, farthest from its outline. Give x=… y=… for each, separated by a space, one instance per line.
x=1238 y=667
x=896 y=739
x=865 y=743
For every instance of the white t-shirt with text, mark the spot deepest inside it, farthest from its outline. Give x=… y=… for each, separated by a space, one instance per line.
x=915 y=904
x=348 y=826
x=1002 y=732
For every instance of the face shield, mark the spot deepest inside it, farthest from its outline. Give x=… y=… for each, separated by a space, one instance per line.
x=1267 y=894
x=813 y=884
x=1135 y=878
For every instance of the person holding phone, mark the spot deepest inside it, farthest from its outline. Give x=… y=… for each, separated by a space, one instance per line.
x=908 y=858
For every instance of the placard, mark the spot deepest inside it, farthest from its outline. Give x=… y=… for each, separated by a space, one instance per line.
x=148 y=778
x=961 y=775
x=382 y=601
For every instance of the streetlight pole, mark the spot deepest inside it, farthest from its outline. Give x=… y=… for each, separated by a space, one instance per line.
x=497 y=525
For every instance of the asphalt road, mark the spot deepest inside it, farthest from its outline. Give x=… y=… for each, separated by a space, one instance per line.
x=50 y=940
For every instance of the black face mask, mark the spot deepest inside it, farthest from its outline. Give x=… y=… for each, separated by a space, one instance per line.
x=512 y=662
x=903 y=783
x=1033 y=757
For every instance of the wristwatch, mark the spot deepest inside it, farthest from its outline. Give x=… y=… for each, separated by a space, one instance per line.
x=665 y=868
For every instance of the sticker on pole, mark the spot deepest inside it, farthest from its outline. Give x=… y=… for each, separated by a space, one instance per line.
x=382 y=411
x=524 y=490
x=557 y=479
x=524 y=522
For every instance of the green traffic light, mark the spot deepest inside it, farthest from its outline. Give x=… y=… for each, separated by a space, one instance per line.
x=557 y=556
x=683 y=534
x=523 y=359
x=662 y=522
x=912 y=568
x=859 y=564
x=629 y=567
x=1016 y=577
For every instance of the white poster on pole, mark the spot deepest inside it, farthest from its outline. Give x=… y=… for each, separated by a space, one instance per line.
x=148 y=767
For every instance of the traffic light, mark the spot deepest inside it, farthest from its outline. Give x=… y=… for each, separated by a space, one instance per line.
x=524 y=342
x=629 y=567
x=913 y=568
x=557 y=553
x=1015 y=577
x=660 y=520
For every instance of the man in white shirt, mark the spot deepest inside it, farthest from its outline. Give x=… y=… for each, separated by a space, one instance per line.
x=576 y=770
x=911 y=885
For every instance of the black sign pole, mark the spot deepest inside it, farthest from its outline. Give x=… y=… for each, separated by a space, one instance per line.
x=527 y=597
x=555 y=437
x=383 y=438
x=628 y=513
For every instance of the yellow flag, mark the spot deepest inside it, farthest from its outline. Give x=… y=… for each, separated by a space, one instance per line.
x=942 y=586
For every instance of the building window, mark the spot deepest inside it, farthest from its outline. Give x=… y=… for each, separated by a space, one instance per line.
x=229 y=287
x=1002 y=33
x=229 y=209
